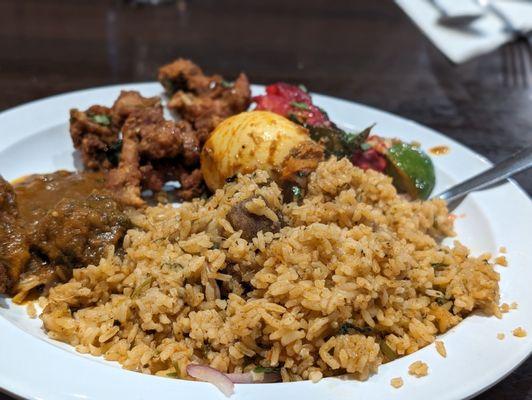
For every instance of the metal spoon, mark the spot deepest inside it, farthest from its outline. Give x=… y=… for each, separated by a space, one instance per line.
x=518 y=162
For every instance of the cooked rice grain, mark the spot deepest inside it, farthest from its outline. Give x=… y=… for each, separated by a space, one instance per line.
x=519 y=332
x=440 y=348
x=418 y=369
x=396 y=382
x=356 y=277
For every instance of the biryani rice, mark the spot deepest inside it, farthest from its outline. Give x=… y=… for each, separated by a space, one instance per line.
x=187 y=288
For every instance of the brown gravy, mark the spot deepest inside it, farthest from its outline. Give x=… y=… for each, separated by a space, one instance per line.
x=37 y=194
x=56 y=222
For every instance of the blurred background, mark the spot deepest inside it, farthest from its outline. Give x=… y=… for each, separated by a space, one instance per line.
x=363 y=50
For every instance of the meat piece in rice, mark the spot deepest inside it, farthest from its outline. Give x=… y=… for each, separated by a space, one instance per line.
x=252 y=216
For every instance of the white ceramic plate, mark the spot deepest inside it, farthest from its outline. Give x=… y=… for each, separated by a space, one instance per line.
x=34 y=138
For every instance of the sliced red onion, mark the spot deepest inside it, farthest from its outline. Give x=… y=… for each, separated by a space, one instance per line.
x=246 y=377
x=255 y=377
x=207 y=374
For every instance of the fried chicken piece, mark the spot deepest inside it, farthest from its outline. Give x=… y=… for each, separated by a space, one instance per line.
x=93 y=136
x=14 y=246
x=129 y=101
x=124 y=180
x=95 y=132
x=191 y=146
x=153 y=152
x=167 y=139
x=184 y=75
x=156 y=174
x=203 y=100
x=192 y=185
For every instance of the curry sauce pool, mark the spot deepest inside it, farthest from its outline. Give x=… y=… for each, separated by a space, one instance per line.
x=52 y=223
x=355 y=276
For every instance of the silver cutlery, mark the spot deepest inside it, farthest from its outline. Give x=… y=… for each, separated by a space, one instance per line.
x=517 y=55
x=518 y=162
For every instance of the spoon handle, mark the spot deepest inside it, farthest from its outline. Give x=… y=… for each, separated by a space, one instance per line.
x=512 y=165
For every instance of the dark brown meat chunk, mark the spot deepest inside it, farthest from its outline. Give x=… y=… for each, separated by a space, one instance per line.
x=39 y=274
x=52 y=223
x=14 y=248
x=191 y=146
x=125 y=180
x=157 y=173
x=203 y=100
x=130 y=101
x=76 y=232
x=96 y=131
x=192 y=185
x=184 y=75
x=250 y=224
x=93 y=136
x=168 y=139
x=153 y=151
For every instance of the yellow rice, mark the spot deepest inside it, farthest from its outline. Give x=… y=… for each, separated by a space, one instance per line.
x=188 y=289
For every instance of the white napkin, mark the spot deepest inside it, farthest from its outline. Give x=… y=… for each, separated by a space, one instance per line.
x=482 y=36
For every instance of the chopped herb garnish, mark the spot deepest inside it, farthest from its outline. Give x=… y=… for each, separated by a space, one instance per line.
x=300 y=104
x=226 y=84
x=295 y=119
x=101 y=119
x=266 y=370
x=387 y=351
x=439 y=266
x=345 y=328
x=365 y=146
x=297 y=192
x=441 y=300
x=176 y=367
x=349 y=329
x=338 y=142
x=172 y=374
x=206 y=349
x=303 y=87
x=113 y=153
x=171 y=265
x=143 y=286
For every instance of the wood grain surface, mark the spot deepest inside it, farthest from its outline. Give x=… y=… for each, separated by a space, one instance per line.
x=363 y=50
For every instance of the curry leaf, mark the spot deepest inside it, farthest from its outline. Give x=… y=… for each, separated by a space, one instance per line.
x=300 y=105
x=226 y=84
x=101 y=119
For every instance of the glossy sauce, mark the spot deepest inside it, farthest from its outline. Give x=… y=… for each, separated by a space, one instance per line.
x=65 y=220
x=439 y=150
x=36 y=194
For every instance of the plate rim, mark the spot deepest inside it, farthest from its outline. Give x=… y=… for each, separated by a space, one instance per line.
x=25 y=107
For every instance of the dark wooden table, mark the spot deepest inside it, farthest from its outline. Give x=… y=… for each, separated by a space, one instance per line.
x=363 y=50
